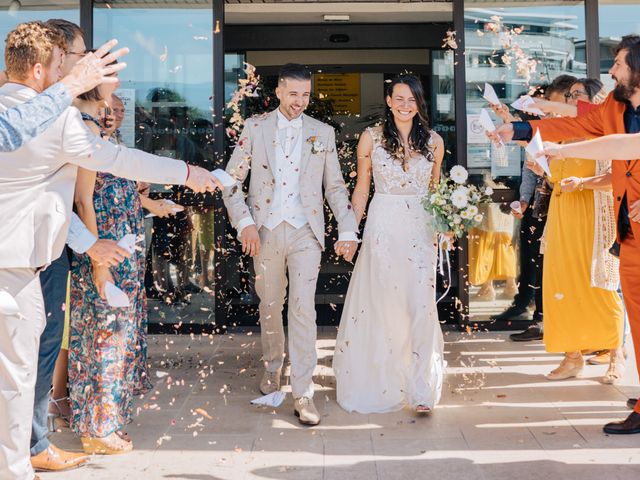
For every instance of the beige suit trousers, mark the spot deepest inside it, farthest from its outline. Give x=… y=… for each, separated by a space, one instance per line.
x=296 y=251
x=19 y=342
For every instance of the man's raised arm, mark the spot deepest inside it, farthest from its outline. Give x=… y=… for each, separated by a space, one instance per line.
x=23 y=122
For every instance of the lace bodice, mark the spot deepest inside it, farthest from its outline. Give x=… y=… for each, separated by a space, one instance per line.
x=389 y=177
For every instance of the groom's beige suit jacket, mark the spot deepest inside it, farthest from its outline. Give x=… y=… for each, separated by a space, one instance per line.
x=319 y=170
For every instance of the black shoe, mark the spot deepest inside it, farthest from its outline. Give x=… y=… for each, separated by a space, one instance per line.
x=628 y=426
x=512 y=313
x=631 y=403
x=534 y=332
x=537 y=316
x=191 y=288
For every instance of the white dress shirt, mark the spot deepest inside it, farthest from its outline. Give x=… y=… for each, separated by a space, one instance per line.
x=80 y=239
x=287 y=203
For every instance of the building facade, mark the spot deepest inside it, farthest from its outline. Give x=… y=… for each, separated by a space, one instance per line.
x=188 y=56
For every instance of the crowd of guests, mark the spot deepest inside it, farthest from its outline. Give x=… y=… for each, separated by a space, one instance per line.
x=71 y=160
x=71 y=190
x=547 y=227
x=590 y=250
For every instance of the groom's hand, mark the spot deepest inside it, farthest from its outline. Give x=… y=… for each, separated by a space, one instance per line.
x=346 y=250
x=250 y=241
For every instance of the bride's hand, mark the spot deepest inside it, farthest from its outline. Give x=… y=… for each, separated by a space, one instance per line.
x=449 y=240
x=346 y=249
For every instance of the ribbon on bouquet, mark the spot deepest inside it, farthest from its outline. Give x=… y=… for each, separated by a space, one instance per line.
x=443 y=256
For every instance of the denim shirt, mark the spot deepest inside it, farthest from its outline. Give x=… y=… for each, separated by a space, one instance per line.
x=22 y=123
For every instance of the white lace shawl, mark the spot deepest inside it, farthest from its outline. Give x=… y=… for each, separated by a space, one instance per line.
x=604 y=266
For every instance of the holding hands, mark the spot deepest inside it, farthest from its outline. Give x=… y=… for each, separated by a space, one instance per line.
x=250 y=241
x=346 y=249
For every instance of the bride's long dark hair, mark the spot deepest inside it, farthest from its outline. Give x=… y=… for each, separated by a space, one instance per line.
x=420 y=133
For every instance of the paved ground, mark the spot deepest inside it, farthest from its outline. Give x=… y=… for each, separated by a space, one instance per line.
x=499 y=419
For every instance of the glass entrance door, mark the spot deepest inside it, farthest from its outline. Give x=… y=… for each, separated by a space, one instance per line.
x=348 y=93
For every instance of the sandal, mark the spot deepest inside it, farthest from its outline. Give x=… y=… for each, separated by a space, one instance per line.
x=59 y=410
x=616 y=368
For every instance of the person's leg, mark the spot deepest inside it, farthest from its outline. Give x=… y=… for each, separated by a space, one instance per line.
x=61 y=375
x=53 y=281
x=303 y=260
x=271 y=286
x=527 y=265
x=19 y=342
x=630 y=280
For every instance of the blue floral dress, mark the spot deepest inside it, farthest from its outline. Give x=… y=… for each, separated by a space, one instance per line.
x=107 y=347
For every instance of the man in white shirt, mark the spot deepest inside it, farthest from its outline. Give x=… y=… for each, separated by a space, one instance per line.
x=36 y=193
x=281 y=224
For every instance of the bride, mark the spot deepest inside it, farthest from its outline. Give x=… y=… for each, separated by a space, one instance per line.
x=389 y=349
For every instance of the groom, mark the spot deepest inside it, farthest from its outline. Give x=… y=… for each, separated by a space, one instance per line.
x=292 y=157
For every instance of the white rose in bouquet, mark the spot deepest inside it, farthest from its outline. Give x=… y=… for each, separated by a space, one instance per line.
x=460 y=197
x=459 y=174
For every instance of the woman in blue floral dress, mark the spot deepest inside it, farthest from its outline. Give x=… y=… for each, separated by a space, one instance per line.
x=107 y=348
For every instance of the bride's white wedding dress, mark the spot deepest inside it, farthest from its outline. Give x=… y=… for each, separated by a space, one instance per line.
x=389 y=349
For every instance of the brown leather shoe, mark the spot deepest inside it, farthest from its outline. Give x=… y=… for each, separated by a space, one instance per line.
x=306 y=411
x=628 y=426
x=53 y=460
x=270 y=382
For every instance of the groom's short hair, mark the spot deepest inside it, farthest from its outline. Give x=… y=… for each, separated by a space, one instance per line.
x=294 y=71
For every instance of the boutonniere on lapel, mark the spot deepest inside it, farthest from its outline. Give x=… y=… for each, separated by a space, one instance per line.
x=316 y=145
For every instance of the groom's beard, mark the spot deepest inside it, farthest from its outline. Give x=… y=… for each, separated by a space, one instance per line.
x=623 y=92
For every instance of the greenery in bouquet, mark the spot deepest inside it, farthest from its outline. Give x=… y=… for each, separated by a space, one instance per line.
x=453 y=203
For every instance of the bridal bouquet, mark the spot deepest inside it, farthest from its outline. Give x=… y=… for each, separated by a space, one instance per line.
x=454 y=204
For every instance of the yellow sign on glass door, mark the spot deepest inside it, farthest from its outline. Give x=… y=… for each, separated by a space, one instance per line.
x=342 y=89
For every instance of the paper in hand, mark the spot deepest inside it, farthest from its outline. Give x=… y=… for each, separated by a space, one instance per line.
x=115 y=297
x=490 y=95
x=175 y=207
x=485 y=121
x=174 y=210
x=128 y=242
x=8 y=304
x=527 y=104
x=536 y=146
x=225 y=179
x=274 y=399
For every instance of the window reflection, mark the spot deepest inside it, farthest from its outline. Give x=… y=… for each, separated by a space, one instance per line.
x=514 y=49
x=616 y=19
x=168 y=86
x=13 y=13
